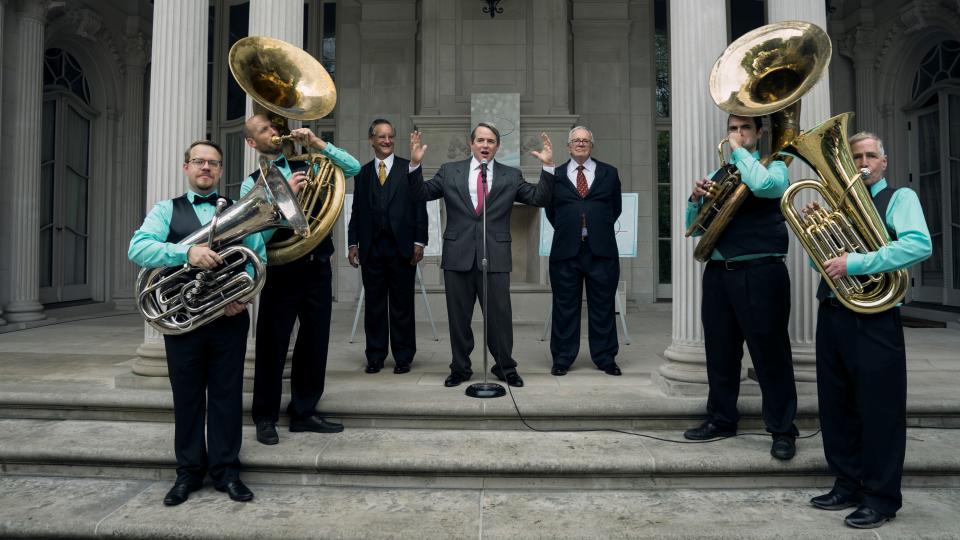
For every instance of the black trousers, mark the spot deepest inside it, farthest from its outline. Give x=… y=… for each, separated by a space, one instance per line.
x=300 y=289
x=749 y=303
x=862 y=393
x=388 y=282
x=206 y=375
x=567 y=278
x=463 y=291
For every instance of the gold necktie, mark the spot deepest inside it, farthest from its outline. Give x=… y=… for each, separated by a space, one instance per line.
x=383 y=173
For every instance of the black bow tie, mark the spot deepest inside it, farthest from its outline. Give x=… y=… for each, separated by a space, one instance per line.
x=209 y=199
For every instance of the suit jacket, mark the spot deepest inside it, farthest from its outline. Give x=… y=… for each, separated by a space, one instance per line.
x=406 y=217
x=601 y=206
x=462 y=246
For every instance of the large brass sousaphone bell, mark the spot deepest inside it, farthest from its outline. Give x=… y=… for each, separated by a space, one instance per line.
x=765 y=71
x=290 y=83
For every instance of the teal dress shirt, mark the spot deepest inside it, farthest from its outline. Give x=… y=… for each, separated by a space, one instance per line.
x=766 y=182
x=149 y=247
x=340 y=157
x=913 y=244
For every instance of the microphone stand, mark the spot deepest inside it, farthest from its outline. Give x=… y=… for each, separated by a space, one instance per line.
x=485 y=389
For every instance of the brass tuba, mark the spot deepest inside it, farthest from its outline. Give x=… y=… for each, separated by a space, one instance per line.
x=289 y=82
x=179 y=299
x=851 y=224
x=765 y=71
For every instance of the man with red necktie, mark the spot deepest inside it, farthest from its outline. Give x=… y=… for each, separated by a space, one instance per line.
x=584 y=208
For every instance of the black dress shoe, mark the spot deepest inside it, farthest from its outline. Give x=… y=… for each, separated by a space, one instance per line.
x=558 y=371
x=784 y=447
x=315 y=424
x=267 y=432
x=514 y=379
x=708 y=430
x=179 y=493
x=453 y=379
x=237 y=491
x=401 y=369
x=613 y=369
x=866 y=518
x=834 y=501
x=372 y=369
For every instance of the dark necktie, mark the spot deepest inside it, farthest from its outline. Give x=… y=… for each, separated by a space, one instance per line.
x=209 y=199
x=481 y=190
x=581 y=182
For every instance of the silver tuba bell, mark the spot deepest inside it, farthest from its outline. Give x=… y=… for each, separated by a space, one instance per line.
x=175 y=300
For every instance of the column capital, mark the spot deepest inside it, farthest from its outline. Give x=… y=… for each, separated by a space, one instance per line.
x=858 y=44
x=137 y=49
x=35 y=9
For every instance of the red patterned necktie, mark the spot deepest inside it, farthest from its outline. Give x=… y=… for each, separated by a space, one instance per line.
x=581 y=182
x=481 y=193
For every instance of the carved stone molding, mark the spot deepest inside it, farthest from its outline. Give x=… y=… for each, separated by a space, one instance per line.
x=858 y=43
x=137 y=49
x=36 y=9
x=88 y=25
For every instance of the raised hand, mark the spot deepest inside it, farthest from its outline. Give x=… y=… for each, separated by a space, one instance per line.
x=417 y=149
x=546 y=155
x=701 y=188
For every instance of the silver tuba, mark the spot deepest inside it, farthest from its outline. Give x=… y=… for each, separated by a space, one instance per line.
x=175 y=300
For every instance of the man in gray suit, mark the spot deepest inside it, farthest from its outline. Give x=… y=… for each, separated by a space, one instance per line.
x=460 y=184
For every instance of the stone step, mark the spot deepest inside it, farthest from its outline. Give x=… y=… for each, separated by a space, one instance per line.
x=376 y=401
x=97 y=508
x=468 y=459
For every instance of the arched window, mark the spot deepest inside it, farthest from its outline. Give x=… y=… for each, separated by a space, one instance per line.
x=934 y=124
x=940 y=63
x=65 y=177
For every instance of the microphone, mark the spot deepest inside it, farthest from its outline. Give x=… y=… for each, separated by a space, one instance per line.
x=483 y=170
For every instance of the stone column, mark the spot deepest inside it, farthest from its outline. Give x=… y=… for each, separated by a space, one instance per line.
x=280 y=19
x=24 y=303
x=858 y=45
x=803 y=280
x=3 y=7
x=129 y=209
x=698 y=35
x=177 y=117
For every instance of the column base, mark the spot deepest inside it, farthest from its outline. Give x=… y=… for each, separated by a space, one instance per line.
x=2 y=320
x=151 y=361
x=25 y=311
x=804 y=363
x=685 y=372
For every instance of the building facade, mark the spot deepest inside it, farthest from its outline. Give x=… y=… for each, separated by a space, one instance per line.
x=99 y=98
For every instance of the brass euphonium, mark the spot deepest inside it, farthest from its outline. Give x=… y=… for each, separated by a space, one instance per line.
x=850 y=224
x=765 y=71
x=180 y=299
x=289 y=82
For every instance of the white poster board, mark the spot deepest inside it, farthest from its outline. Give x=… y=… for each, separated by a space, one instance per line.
x=625 y=228
x=434 y=244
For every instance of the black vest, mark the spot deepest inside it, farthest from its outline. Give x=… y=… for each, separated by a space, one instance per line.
x=184 y=221
x=880 y=201
x=324 y=249
x=757 y=227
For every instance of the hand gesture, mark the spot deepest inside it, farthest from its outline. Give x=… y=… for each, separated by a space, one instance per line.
x=836 y=268
x=417 y=149
x=203 y=257
x=417 y=255
x=307 y=138
x=546 y=155
x=811 y=208
x=701 y=188
x=297 y=181
x=234 y=308
x=353 y=256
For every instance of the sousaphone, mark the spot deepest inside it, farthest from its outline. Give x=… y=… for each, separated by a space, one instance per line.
x=291 y=84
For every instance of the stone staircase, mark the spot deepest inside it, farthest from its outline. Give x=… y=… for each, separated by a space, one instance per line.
x=87 y=453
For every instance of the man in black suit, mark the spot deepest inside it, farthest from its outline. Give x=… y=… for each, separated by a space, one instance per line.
x=461 y=185
x=583 y=212
x=386 y=235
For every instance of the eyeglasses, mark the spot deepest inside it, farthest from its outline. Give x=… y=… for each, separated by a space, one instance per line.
x=199 y=163
x=579 y=141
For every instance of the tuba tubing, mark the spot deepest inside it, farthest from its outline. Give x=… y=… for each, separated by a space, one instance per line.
x=175 y=300
x=850 y=223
